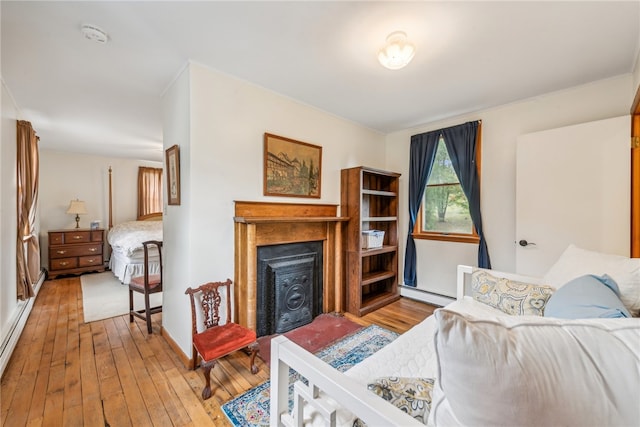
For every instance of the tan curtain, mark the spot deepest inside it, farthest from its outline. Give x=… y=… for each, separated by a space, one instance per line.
x=149 y=190
x=28 y=248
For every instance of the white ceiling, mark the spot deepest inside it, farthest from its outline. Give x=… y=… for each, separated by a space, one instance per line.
x=106 y=99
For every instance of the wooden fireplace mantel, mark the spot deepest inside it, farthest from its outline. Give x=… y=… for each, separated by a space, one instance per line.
x=263 y=223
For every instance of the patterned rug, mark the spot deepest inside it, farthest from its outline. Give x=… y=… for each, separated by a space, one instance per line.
x=252 y=407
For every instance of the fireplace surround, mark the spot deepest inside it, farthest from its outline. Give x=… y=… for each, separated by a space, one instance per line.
x=258 y=224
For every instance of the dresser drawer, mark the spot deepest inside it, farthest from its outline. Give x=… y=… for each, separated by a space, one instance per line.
x=56 y=238
x=63 y=263
x=77 y=237
x=75 y=250
x=86 y=261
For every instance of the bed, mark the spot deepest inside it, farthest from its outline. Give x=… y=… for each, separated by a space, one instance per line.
x=127 y=256
x=488 y=362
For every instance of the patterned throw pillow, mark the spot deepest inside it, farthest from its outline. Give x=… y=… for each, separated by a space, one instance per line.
x=482 y=284
x=411 y=395
x=510 y=296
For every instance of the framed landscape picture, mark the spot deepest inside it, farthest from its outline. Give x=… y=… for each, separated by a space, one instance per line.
x=173 y=175
x=291 y=168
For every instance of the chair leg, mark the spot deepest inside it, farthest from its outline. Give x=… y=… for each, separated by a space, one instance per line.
x=254 y=348
x=195 y=358
x=206 y=370
x=130 y=306
x=147 y=310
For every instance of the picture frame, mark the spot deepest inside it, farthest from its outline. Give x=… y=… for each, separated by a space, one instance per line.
x=291 y=168
x=173 y=175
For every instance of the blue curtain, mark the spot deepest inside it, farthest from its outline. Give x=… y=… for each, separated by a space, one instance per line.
x=461 y=143
x=421 y=157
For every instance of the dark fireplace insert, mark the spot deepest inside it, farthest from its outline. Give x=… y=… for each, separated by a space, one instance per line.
x=289 y=286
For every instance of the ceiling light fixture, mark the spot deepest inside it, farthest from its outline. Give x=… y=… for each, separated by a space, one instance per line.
x=93 y=33
x=398 y=51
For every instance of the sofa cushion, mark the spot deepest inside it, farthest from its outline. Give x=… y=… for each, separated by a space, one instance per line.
x=587 y=297
x=535 y=371
x=575 y=262
x=510 y=296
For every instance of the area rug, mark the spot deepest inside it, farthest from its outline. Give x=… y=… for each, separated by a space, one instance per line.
x=252 y=407
x=104 y=296
x=322 y=331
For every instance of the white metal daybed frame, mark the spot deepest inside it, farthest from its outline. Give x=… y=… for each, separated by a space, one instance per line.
x=327 y=385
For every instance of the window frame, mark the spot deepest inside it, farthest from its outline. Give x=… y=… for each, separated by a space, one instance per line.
x=419 y=233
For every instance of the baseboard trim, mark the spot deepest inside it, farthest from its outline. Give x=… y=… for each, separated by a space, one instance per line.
x=186 y=360
x=17 y=325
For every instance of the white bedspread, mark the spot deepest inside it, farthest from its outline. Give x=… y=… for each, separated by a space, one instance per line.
x=127 y=237
x=412 y=354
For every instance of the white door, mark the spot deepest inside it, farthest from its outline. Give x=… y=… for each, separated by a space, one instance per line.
x=572 y=186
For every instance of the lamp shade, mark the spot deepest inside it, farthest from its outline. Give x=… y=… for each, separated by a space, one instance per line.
x=398 y=51
x=77 y=207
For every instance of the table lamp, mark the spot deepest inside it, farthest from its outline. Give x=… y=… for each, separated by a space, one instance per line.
x=77 y=207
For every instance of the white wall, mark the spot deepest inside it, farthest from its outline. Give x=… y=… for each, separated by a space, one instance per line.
x=8 y=216
x=221 y=153
x=636 y=74
x=65 y=176
x=500 y=128
x=178 y=262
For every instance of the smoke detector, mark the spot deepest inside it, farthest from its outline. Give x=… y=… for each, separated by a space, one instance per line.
x=94 y=33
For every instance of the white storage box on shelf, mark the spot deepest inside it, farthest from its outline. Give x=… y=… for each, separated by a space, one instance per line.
x=372 y=239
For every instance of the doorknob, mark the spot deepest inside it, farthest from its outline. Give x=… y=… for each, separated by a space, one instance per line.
x=525 y=243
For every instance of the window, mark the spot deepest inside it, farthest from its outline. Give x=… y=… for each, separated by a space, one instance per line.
x=444 y=211
x=149 y=191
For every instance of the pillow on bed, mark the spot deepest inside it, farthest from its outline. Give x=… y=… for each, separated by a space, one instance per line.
x=510 y=296
x=575 y=262
x=587 y=297
x=411 y=395
x=535 y=371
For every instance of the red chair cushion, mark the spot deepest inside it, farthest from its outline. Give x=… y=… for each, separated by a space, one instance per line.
x=219 y=341
x=138 y=282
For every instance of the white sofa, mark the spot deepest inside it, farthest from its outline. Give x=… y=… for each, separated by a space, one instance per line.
x=489 y=367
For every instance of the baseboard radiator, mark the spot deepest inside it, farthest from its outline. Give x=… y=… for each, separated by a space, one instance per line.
x=16 y=326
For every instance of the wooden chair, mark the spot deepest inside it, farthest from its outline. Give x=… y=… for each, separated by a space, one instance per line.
x=217 y=340
x=146 y=284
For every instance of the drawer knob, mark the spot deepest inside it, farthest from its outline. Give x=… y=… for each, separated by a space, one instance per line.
x=91 y=260
x=64 y=263
x=77 y=237
x=61 y=252
x=92 y=249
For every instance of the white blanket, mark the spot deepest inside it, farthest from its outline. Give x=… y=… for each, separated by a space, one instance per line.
x=127 y=237
x=412 y=354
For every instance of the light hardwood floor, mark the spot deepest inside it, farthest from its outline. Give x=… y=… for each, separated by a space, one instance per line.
x=65 y=372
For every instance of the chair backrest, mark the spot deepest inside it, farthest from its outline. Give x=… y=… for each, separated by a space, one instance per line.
x=145 y=247
x=209 y=298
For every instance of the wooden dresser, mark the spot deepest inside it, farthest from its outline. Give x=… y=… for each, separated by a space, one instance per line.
x=75 y=251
